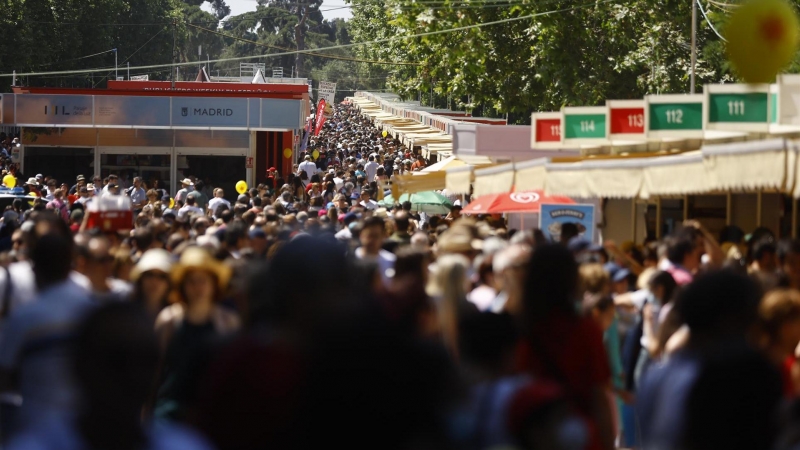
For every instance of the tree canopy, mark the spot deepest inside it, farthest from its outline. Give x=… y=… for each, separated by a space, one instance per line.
x=498 y=57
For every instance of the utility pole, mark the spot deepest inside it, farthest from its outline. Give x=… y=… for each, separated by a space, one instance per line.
x=694 y=45
x=172 y=74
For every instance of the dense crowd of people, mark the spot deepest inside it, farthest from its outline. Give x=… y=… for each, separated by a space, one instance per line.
x=304 y=314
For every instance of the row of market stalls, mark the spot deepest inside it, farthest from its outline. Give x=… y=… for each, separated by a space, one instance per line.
x=644 y=180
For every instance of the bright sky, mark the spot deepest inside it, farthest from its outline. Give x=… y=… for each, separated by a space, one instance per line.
x=334 y=8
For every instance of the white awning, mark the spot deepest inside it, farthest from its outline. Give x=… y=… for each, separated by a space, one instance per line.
x=494 y=180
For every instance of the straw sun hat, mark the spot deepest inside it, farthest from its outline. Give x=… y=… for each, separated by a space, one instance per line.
x=196 y=258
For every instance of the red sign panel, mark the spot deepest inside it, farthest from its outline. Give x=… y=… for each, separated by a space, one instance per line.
x=627 y=121
x=548 y=130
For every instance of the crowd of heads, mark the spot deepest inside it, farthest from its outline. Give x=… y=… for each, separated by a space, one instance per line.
x=300 y=315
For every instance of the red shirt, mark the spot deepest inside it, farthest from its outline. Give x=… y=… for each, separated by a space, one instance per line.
x=569 y=351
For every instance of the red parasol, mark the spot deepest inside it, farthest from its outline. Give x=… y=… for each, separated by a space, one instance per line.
x=513 y=202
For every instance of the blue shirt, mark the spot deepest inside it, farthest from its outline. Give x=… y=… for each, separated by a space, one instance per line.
x=35 y=343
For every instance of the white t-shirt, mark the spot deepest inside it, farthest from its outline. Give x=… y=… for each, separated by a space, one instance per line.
x=186 y=209
x=370 y=205
x=215 y=202
x=308 y=167
x=371 y=169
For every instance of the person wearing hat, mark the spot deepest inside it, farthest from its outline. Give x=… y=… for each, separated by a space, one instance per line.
x=187 y=187
x=186 y=328
x=33 y=186
x=308 y=166
x=80 y=182
x=151 y=282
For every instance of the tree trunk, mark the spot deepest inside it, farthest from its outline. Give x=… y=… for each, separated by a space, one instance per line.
x=300 y=38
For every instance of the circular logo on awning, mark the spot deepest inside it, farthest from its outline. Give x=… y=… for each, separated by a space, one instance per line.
x=524 y=197
x=477 y=207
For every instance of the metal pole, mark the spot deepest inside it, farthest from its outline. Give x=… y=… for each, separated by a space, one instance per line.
x=658 y=218
x=633 y=220
x=116 y=69
x=759 y=206
x=685 y=208
x=694 y=45
x=728 y=209
x=129 y=71
x=14 y=78
x=172 y=74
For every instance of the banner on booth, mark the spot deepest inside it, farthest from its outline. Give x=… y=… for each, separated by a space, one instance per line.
x=552 y=218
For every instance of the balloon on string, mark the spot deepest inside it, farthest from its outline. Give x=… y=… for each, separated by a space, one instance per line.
x=9 y=181
x=762 y=39
x=315 y=154
x=241 y=187
x=385 y=133
x=287 y=153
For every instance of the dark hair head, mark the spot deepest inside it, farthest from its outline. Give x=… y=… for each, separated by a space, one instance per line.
x=551 y=283
x=568 y=231
x=116 y=355
x=374 y=221
x=719 y=304
x=665 y=280
x=681 y=244
x=764 y=246
x=787 y=246
x=51 y=249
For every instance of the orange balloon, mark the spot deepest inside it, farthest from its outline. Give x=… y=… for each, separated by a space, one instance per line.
x=287 y=153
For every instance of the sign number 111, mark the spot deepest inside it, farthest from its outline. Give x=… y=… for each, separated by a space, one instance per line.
x=736 y=108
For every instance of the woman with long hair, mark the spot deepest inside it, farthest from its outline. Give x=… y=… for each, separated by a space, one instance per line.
x=448 y=287
x=560 y=345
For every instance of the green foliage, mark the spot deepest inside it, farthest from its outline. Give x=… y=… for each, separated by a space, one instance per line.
x=570 y=53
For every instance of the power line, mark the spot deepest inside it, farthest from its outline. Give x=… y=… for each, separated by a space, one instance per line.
x=130 y=56
x=709 y=21
x=305 y=52
x=335 y=47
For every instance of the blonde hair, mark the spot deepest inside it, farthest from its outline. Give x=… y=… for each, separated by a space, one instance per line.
x=778 y=307
x=593 y=278
x=448 y=283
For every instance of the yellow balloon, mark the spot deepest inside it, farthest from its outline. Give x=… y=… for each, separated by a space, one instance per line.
x=385 y=133
x=287 y=153
x=762 y=39
x=315 y=154
x=9 y=181
x=171 y=202
x=241 y=187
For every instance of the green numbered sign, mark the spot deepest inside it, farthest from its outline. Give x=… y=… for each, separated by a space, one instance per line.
x=584 y=124
x=676 y=116
x=738 y=108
